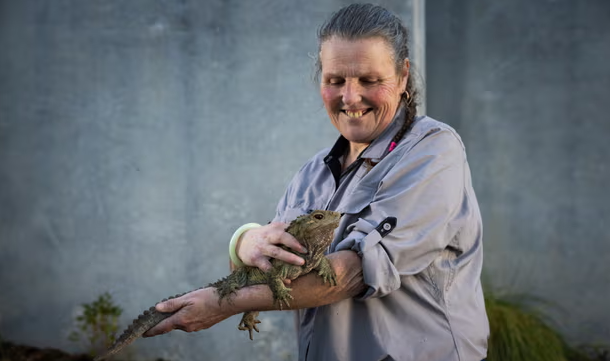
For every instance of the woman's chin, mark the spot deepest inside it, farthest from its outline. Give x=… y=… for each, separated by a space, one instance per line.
x=357 y=137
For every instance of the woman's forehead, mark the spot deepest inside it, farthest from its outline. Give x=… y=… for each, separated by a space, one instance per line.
x=338 y=55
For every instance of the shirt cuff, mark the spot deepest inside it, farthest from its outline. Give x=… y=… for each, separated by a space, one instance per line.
x=379 y=273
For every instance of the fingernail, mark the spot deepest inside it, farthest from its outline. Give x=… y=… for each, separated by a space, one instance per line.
x=304 y=250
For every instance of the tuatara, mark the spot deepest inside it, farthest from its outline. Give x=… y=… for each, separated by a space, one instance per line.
x=315 y=231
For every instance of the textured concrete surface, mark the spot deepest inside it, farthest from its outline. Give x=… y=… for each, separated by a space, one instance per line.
x=527 y=85
x=135 y=136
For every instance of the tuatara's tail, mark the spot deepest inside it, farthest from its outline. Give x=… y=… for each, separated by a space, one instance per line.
x=147 y=320
x=140 y=325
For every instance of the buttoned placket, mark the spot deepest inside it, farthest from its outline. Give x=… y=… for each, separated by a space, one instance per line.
x=344 y=180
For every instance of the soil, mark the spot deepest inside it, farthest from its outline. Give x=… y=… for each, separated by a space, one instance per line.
x=13 y=352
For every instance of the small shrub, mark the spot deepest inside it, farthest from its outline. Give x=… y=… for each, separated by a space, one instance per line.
x=518 y=332
x=98 y=324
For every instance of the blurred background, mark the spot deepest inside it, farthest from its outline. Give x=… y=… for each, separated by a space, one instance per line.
x=136 y=136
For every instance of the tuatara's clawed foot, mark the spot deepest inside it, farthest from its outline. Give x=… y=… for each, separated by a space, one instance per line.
x=248 y=322
x=328 y=278
x=282 y=297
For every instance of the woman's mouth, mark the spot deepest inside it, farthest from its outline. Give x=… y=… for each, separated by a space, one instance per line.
x=356 y=113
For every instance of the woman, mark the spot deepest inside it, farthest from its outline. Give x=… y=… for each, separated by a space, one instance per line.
x=411 y=294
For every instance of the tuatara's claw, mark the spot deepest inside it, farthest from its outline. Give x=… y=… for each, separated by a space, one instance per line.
x=248 y=322
x=328 y=277
x=283 y=299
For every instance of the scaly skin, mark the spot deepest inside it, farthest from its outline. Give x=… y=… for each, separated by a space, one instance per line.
x=138 y=327
x=316 y=235
x=315 y=231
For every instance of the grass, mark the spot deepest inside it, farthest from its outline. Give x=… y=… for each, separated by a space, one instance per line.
x=521 y=332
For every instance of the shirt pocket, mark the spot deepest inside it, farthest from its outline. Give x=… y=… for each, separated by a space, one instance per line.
x=357 y=200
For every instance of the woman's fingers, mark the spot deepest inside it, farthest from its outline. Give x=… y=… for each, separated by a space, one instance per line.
x=172 y=322
x=258 y=245
x=196 y=311
x=289 y=241
x=278 y=253
x=171 y=305
x=161 y=328
x=263 y=264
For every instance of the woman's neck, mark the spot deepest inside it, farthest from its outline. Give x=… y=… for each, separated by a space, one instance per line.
x=352 y=153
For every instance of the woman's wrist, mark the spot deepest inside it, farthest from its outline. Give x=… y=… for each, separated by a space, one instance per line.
x=236 y=239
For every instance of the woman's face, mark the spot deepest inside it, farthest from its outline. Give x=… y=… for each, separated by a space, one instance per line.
x=359 y=86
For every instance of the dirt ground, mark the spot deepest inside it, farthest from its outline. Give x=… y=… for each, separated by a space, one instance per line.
x=13 y=352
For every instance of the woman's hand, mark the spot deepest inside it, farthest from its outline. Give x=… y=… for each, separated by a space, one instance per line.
x=256 y=246
x=196 y=311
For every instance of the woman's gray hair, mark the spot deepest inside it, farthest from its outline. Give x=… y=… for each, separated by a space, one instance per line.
x=362 y=21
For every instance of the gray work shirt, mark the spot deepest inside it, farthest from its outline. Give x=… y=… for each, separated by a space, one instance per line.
x=424 y=299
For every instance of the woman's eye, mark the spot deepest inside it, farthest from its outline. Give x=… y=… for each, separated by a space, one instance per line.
x=369 y=81
x=335 y=81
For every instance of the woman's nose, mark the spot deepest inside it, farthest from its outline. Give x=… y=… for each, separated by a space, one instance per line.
x=351 y=93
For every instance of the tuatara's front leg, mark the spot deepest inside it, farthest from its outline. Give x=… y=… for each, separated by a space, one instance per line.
x=248 y=322
x=281 y=293
x=326 y=271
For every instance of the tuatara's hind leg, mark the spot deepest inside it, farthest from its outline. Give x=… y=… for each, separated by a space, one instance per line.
x=248 y=322
x=240 y=278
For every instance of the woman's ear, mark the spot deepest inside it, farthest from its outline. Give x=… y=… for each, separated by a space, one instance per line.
x=405 y=72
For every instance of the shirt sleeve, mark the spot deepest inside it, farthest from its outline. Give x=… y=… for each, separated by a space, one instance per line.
x=424 y=190
x=282 y=206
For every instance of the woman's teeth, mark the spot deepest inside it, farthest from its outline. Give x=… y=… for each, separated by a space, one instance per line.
x=355 y=114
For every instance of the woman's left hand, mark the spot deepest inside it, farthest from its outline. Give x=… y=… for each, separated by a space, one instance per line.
x=195 y=311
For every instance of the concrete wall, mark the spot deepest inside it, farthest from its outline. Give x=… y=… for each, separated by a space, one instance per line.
x=135 y=136
x=527 y=85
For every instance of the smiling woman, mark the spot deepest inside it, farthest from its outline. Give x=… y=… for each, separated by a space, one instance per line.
x=408 y=249
x=360 y=88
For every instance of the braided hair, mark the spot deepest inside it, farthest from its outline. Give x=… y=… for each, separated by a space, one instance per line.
x=360 y=21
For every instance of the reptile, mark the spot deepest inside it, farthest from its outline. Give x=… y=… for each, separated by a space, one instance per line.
x=315 y=231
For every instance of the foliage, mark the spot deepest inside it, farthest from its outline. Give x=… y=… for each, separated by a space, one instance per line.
x=519 y=332
x=98 y=324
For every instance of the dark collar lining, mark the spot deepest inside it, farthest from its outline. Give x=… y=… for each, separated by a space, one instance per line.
x=375 y=151
x=332 y=160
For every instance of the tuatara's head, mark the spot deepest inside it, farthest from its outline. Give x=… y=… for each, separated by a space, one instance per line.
x=315 y=229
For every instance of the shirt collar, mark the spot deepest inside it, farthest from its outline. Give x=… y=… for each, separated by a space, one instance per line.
x=378 y=148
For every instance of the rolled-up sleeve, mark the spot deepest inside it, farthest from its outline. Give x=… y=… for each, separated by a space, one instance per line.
x=424 y=190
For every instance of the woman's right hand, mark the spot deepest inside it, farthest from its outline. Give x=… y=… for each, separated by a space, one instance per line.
x=258 y=245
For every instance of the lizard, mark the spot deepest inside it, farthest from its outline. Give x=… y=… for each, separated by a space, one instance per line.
x=315 y=231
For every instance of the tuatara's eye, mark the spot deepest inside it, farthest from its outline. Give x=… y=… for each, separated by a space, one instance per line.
x=318 y=216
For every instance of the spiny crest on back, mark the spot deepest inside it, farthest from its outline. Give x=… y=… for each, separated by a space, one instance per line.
x=314 y=230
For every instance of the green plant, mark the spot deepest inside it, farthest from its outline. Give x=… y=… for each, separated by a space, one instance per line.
x=520 y=332
x=98 y=324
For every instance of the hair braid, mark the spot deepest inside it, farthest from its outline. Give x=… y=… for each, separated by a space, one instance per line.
x=410 y=104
